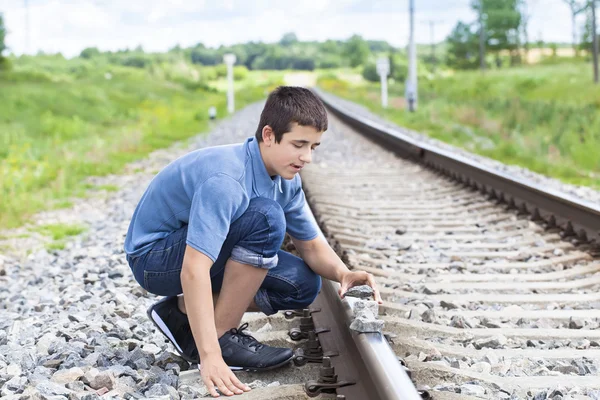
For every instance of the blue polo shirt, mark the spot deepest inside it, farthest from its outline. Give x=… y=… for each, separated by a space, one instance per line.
x=208 y=189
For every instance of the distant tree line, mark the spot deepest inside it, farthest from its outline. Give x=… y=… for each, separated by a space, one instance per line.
x=288 y=53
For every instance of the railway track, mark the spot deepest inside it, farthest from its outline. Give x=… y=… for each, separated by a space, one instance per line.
x=490 y=290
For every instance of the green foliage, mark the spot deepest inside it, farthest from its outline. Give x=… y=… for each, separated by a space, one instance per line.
x=543 y=118
x=463 y=47
x=89 y=52
x=356 y=51
x=60 y=231
x=64 y=120
x=288 y=39
x=502 y=21
x=370 y=72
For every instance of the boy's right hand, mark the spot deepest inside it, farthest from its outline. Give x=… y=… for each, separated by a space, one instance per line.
x=215 y=373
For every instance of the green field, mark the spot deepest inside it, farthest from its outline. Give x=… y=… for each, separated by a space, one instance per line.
x=544 y=118
x=63 y=120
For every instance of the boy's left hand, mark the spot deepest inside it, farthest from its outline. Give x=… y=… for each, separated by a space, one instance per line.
x=356 y=278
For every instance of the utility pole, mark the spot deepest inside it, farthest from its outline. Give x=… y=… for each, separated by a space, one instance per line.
x=411 y=83
x=432 y=39
x=594 y=40
x=27 y=32
x=481 y=37
x=229 y=60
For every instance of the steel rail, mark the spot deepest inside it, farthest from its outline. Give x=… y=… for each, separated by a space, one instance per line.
x=364 y=358
x=576 y=217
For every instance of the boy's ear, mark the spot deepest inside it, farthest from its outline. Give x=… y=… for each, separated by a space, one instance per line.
x=268 y=135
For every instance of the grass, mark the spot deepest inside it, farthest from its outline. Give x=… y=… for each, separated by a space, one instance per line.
x=59 y=233
x=64 y=120
x=544 y=118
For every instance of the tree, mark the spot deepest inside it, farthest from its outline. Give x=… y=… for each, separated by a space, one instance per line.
x=288 y=39
x=89 y=52
x=501 y=22
x=576 y=7
x=356 y=50
x=462 y=47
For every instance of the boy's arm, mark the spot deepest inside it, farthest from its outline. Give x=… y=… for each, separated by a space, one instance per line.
x=197 y=291
x=321 y=258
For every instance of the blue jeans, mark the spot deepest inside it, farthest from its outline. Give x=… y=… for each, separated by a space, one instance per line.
x=254 y=239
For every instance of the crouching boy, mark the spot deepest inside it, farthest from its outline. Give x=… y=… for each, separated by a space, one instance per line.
x=207 y=235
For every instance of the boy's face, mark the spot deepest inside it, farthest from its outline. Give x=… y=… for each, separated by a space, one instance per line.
x=289 y=156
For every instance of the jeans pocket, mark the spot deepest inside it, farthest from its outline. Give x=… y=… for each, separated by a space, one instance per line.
x=166 y=283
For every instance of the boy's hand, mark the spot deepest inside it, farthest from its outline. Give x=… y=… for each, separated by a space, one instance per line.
x=356 y=278
x=215 y=373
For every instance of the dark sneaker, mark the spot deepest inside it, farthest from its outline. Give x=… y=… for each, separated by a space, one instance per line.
x=175 y=326
x=242 y=352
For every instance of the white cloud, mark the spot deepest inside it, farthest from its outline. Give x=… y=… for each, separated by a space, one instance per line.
x=69 y=26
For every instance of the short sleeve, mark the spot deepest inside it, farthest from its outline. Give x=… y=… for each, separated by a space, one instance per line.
x=215 y=205
x=300 y=222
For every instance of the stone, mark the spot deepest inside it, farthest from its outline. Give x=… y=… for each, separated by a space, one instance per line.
x=364 y=325
x=96 y=379
x=472 y=390
x=14 y=370
x=157 y=390
x=448 y=305
x=481 y=367
x=359 y=306
x=458 y=321
x=15 y=385
x=64 y=376
x=428 y=316
x=48 y=388
x=167 y=357
x=494 y=342
x=362 y=292
x=576 y=323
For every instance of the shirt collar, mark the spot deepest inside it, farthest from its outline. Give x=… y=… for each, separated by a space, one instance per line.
x=262 y=181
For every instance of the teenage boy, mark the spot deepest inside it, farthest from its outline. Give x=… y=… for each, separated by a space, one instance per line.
x=210 y=225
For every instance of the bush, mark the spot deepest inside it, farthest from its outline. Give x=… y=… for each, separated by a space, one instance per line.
x=240 y=72
x=370 y=73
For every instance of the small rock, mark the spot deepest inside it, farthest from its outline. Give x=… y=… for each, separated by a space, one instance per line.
x=97 y=380
x=576 y=323
x=472 y=390
x=448 y=305
x=64 y=376
x=151 y=348
x=364 y=325
x=428 y=316
x=458 y=321
x=14 y=370
x=493 y=342
x=48 y=388
x=401 y=230
x=362 y=292
x=481 y=367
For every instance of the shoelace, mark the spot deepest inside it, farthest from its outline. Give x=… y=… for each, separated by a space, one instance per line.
x=246 y=339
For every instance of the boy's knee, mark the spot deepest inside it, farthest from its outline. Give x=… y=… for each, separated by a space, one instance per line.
x=268 y=221
x=311 y=290
x=263 y=225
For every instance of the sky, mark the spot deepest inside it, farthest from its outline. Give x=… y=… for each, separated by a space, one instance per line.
x=68 y=26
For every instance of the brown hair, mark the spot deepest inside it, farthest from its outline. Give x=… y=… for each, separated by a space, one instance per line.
x=288 y=104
